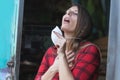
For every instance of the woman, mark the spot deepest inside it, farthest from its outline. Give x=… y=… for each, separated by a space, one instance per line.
x=73 y=57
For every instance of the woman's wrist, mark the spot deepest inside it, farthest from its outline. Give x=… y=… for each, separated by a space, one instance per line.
x=61 y=54
x=53 y=69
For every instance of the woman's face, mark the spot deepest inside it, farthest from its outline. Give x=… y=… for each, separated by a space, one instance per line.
x=69 y=20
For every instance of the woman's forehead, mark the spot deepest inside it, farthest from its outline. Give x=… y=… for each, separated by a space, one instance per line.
x=73 y=8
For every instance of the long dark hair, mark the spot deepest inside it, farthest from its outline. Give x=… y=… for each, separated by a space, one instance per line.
x=83 y=28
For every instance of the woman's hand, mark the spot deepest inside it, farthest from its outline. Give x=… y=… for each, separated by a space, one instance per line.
x=60 y=44
x=70 y=55
x=70 y=58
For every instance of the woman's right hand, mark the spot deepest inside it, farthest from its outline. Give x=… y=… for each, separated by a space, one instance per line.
x=60 y=44
x=70 y=55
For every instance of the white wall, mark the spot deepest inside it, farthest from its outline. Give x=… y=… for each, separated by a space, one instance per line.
x=113 y=60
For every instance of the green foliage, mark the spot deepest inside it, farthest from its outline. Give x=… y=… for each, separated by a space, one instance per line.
x=94 y=7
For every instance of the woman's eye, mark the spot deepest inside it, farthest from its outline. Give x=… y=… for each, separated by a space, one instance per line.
x=73 y=13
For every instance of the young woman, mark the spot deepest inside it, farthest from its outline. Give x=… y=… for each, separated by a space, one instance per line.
x=73 y=57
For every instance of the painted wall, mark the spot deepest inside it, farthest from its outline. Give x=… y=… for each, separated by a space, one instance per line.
x=6 y=14
x=8 y=30
x=9 y=10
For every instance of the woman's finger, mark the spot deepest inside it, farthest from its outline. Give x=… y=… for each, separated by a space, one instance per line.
x=71 y=60
x=70 y=54
x=58 y=35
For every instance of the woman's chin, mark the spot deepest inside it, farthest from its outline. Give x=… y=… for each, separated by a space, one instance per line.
x=65 y=26
x=65 y=30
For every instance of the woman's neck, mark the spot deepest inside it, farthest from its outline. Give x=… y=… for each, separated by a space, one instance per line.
x=67 y=37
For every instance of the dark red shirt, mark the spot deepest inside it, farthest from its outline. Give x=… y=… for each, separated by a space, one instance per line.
x=86 y=67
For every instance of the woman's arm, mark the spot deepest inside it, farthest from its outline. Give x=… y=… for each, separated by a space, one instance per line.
x=64 y=70
x=45 y=72
x=49 y=74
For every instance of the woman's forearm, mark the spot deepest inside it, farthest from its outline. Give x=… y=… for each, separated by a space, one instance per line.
x=64 y=70
x=49 y=74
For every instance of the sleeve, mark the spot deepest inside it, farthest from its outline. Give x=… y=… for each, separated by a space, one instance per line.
x=43 y=67
x=87 y=64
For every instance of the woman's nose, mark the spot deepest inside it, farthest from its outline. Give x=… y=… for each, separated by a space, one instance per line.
x=68 y=13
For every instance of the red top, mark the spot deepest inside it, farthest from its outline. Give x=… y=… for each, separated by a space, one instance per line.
x=86 y=67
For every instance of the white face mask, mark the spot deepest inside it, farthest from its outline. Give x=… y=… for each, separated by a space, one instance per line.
x=53 y=35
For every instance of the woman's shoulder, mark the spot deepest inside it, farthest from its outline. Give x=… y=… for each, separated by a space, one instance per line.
x=89 y=46
x=51 y=47
x=51 y=50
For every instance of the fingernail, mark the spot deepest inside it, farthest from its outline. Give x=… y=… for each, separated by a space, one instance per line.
x=54 y=31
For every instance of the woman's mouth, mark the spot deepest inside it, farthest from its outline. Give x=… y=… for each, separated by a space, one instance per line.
x=66 y=20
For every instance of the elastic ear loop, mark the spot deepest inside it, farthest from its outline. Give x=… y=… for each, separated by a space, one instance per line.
x=72 y=38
